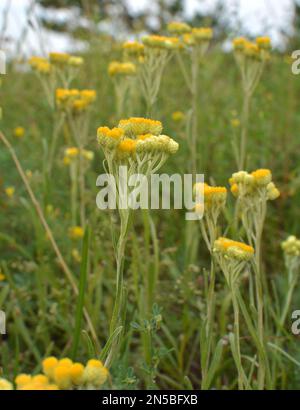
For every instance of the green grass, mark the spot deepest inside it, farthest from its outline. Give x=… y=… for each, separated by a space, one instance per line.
x=43 y=314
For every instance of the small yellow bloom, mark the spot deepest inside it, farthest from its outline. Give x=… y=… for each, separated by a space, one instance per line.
x=202 y=33
x=59 y=58
x=178 y=116
x=291 y=246
x=76 y=232
x=95 y=373
x=162 y=42
x=138 y=126
x=2 y=277
x=262 y=176
x=62 y=377
x=264 y=42
x=178 y=28
x=117 y=68
x=19 y=132
x=76 y=372
x=133 y=48
x=239 y=43
x=233 y=249
x=71 y=152
x=49 y=364
x=10 y=191
x=235 y=122
x=22 y=379
x=127 y=146
x=75 y=61
x=5 y=385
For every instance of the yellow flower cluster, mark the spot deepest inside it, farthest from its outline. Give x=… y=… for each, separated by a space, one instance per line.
x=291 y=246
x=136 y=135
x=73 y=152
x=178 y=28
x=5 y=384
x=258 y=182
x=65 y=59
x=19 y=132
x=76 y=100
x=40 y=64
x=233 y=250
x=10 y=191
x=198 y=36
x=64 y=374
x=252 y=50
x=116 y=68
x=44 y=65
x=214 y=196
x=178 y=116
x=76 y=232
x=162 y=42
x=39 y=382
x=133 y=48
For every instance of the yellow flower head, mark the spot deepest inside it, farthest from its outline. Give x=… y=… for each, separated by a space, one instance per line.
x=5 y=384
x=59 y=58
x=2 y=277
x=40 y=64
x=88 y=95
x=162 y=42
x=127 y=146
x=138 y=126
x=233 y=249
x=49 y=364
x=178 y=28
x=76 y=232
x=76 y=373
x=272 y=192
x=262 y=177
x=109 y=138
x=22 y=380
x=251 y=50
x=263 y=43
x=235 y=122
x=19 y=132
x=62 y=377
x=88 y=155
x=202 y=34
x=291 y=246
x=75 y=61
x=95 y=373
x=178 y=116
x=133 y=48
x=10 y=191
x=239 y=43
x=116 y=68
x=40 y=379
x=71 y=152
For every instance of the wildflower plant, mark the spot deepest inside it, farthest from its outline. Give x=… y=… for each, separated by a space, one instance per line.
x=64 y=374
x=291 y=250
x=121 y=74
x=232 y=257
x=139 y=146
x=158 y=50
x=251 y=59
x=210 y=210
x=76 y=106
x=194 y=45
